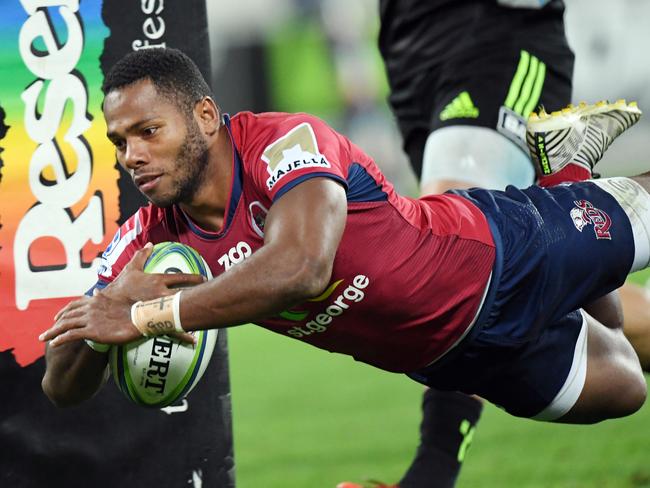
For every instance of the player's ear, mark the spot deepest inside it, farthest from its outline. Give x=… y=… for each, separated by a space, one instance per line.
x=208 y=114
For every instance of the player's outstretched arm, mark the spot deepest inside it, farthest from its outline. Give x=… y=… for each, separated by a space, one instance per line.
x=73 y=373
x=302 y=233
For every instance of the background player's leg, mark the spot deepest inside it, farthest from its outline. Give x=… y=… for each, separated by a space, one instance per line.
x=446 y=431
x=460 y=157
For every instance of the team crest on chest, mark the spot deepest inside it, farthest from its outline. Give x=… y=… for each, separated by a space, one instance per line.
x=584 y=213
x=257 y=213
x=296 y=150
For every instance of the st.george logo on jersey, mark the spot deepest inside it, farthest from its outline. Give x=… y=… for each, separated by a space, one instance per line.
x=584 y=213
x=295 y=150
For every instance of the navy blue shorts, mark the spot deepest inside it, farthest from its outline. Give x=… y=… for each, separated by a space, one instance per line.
x=558 y=249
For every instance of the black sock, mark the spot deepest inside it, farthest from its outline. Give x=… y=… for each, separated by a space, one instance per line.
x=448 y=420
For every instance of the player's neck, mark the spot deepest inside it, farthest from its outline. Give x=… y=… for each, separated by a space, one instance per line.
x=210 y=202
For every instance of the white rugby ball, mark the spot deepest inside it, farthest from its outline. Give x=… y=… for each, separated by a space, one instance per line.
x=159 y=371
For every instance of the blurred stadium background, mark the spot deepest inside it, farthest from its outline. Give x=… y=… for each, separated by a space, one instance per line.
x=305 y=419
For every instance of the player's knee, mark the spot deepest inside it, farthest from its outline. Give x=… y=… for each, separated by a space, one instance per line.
x=614 y=384
x=627 y=393
x=636 y=392
x=626 y=396
x=628 y=388
x=628 y=399
x=640 y=393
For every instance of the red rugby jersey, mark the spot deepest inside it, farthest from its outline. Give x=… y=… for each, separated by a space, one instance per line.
x=408 y=277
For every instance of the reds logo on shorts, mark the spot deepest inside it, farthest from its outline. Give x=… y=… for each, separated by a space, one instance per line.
x=585 y=213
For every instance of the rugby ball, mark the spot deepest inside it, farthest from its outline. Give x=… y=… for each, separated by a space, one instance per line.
x=159 y=371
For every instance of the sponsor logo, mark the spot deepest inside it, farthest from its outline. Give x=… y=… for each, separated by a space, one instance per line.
x=111 y=247
x=298 y=149
x=543 y=157
x=461 y=107
x=179 y=408
x=56 y=109
x=58 y=184
x=300 y=315
x=352 y=294
x=158 y=368
x=584 y=213
x=153 y=26
x=257 y=213
x=467 y=431
x=235 y=255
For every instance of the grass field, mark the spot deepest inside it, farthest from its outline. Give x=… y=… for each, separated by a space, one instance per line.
x=305 y=418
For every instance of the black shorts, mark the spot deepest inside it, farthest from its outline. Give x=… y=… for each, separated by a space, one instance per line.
x=476 y=63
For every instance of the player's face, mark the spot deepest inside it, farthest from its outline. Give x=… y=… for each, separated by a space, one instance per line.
x=160 y=146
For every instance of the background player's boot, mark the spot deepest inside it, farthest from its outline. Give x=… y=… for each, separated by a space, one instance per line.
x=565 y=145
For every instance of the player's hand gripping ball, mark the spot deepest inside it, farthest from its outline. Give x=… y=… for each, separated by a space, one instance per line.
x=159 y=371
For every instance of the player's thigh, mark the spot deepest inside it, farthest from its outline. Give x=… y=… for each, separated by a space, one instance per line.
x=614 y=385
x=540 y=376
x=575 y=371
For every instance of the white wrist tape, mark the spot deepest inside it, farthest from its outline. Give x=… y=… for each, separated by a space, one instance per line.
x=176 y=311
x=157 y=317
x=133 y=314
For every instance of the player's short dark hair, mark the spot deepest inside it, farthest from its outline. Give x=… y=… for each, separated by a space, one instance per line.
x=172 y=72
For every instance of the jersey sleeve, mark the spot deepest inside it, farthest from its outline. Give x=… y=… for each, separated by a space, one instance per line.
x=130 y=237
x=294 y=149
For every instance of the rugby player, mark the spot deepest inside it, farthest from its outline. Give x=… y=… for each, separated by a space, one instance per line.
x=477 y=291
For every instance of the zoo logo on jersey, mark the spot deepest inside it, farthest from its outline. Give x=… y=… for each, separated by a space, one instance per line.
x=584 y=213
x=295 y=150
